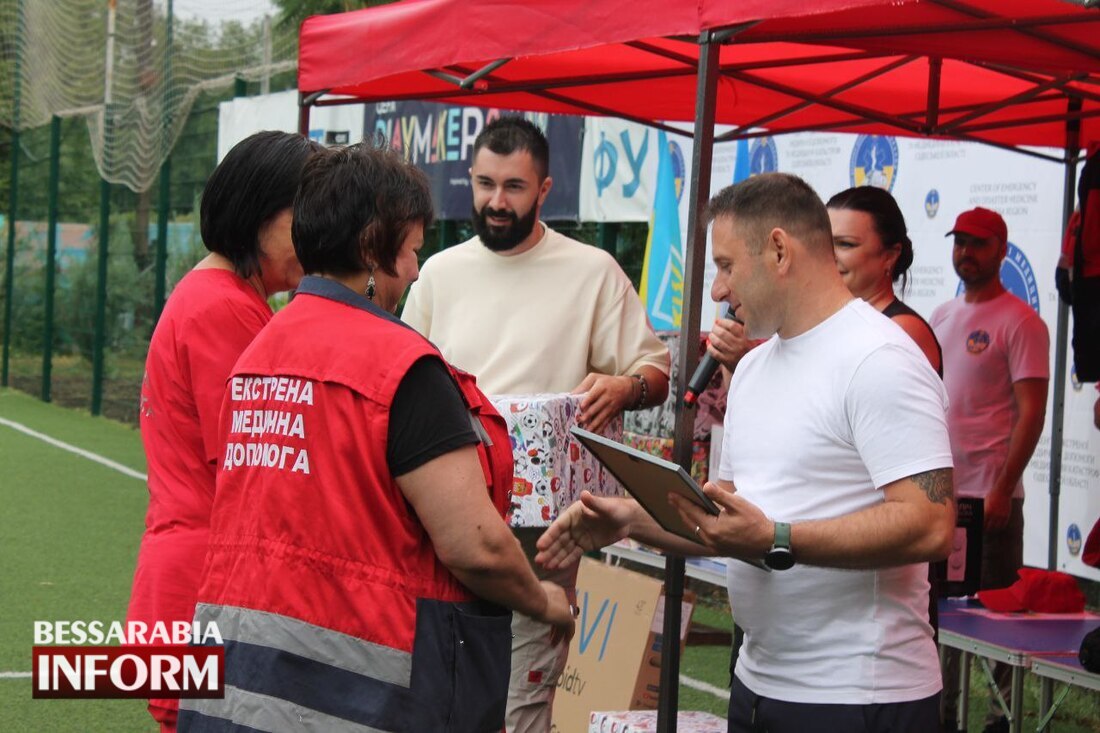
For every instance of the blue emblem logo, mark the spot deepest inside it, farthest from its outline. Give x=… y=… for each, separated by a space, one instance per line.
x=1017 y=277
x=763 y=156
x=977 y=341
x=874 y=161
x=677 y=167
x=1073 y=539
x=932 y=203
x=1073 y=378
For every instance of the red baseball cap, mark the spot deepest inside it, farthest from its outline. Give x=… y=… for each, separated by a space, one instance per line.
x=1042 y=591
x=979 y=222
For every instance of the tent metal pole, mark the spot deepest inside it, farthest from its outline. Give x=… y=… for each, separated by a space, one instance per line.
x=1022 y=97
x=1061 y=343
x=736 y=133
x=1038 y=33
x=932 y=112
x=1020 y=121
x=857 y=111
x=303 y=118
x=706 y=96
x=305 y=101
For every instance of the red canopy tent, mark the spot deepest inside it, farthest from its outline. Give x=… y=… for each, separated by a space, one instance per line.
x=993 y=70
x=1003 y=72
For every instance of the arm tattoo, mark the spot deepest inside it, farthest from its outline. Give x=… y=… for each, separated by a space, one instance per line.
x=936 y=484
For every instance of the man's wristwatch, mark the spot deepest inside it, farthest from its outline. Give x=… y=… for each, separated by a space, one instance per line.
x=780 y=556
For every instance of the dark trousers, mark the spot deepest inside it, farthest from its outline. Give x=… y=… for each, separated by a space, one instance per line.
x=751 y=713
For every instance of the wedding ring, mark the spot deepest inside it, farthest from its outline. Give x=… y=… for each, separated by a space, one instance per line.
x=697 y=528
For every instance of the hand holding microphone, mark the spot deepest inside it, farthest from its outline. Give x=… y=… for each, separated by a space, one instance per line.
x=709 y=363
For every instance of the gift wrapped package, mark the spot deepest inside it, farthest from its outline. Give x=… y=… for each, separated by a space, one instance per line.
x=642 y=721
x=552 y=468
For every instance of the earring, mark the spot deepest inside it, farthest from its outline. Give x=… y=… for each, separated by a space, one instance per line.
x=370 y=288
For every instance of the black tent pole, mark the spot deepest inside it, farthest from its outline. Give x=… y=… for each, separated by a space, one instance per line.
x=706 y=94
x=1061 y=342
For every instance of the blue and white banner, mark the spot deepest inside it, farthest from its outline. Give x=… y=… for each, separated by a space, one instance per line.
x=439 y=139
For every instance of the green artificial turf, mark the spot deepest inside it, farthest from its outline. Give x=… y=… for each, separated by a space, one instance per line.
x=69 y=533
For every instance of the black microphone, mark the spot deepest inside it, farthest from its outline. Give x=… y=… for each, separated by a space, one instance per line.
x=703 y=373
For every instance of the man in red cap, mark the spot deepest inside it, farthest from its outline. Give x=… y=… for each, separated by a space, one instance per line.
x=996 y=353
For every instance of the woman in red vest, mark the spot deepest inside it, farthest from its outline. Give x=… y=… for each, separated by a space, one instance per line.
x=359 y=568
x=212 y=315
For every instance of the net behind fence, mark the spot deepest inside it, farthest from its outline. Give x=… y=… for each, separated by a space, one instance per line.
x=126 y=93
x=132 y=69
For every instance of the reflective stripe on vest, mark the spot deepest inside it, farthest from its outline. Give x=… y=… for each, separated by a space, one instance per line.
x=261 y=712
x=317 y=643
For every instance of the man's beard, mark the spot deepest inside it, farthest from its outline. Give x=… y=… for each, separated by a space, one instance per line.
x=503 y=239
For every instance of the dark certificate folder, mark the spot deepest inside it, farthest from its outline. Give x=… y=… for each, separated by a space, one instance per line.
x=649 y=480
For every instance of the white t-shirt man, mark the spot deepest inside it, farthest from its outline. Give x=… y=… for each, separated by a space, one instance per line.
x=986 y=347
x=538 y=321
x=818 y=424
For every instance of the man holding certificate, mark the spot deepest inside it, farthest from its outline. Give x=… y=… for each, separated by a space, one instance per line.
x=836 y=471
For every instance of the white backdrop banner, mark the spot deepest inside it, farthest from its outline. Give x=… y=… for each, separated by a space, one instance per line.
x=238 y=118
x=933 y=181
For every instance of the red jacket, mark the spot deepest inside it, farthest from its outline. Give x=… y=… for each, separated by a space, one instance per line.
x=319 y=574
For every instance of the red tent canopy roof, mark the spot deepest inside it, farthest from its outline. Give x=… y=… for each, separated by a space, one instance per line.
x=1005 y=71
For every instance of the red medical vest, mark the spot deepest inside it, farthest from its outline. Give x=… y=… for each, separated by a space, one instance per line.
x=309 y=529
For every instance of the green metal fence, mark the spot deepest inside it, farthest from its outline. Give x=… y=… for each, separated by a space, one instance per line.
x=78 y=308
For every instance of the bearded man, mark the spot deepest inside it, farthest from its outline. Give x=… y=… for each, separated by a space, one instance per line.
x=527 y=310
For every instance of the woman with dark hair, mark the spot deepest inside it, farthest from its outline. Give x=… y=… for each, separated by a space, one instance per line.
x=214 y=312
x=873 y=251
x=358 y=550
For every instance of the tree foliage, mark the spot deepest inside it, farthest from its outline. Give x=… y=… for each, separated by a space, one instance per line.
x=293 y=12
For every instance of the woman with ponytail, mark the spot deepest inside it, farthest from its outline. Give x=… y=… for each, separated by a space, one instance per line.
x=873 y=251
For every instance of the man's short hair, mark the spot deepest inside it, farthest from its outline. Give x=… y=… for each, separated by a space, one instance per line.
x=354 y=209
x=254 y=182
x=507 y=135
x=769 y=200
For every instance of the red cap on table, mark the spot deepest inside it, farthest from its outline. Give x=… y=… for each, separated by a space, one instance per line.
x=1042 y=591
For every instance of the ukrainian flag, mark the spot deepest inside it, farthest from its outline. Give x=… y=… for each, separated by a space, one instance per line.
x=662 y=288
x=741 y=166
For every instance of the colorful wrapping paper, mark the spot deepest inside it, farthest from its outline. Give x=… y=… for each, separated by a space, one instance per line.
x=642 y=721
x=551 y=467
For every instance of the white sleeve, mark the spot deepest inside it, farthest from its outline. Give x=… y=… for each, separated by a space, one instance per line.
x=897 y=410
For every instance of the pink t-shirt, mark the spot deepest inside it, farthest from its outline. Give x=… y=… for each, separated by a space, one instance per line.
x=986 y=348
x=208 y=321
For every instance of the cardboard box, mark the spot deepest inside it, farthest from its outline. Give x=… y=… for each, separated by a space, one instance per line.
x=615 y=656
x=643 y=721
